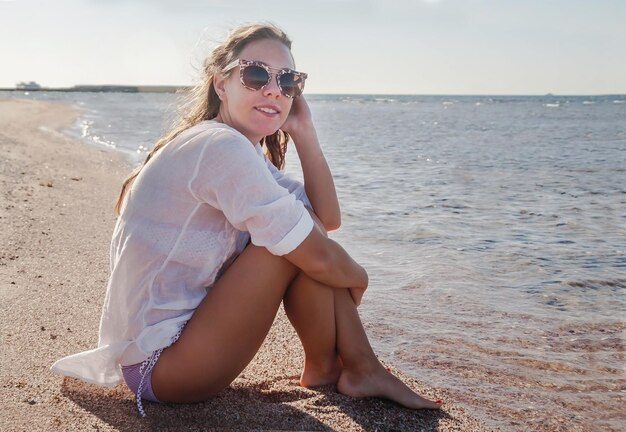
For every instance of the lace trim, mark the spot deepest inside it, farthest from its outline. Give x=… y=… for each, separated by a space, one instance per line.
x=146 y=368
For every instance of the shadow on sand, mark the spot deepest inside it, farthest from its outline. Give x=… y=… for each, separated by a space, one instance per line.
x=250 y=408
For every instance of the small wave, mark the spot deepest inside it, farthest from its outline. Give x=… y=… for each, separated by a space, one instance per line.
x=385 y=100
x=551 y=105
x=86 y=127
x=596 y=283
x=352 y=100
x=619 y=101
x=368 y=99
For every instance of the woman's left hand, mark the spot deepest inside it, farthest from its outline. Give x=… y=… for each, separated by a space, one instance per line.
x=299 y=119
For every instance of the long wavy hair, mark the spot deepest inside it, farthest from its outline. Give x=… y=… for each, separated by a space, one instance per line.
x=204 y=104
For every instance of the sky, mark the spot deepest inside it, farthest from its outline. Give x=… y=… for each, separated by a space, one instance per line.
x=494 y=47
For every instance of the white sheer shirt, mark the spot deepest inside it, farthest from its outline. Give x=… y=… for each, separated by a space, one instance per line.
x=193 y=207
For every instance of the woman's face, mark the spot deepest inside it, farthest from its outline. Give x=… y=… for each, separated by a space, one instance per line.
x=259 y=113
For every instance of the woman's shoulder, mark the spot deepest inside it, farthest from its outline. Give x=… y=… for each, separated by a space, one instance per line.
x=212 y=130
x=214 y=139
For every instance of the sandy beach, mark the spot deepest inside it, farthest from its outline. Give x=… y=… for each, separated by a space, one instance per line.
x=57 y=218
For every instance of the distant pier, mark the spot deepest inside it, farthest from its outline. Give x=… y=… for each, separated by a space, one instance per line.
x=101 y=89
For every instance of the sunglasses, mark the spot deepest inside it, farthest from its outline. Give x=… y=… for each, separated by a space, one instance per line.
x=255 y=75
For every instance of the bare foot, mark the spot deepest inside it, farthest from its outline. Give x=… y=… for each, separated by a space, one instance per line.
x=382 y=384
x=315 y=375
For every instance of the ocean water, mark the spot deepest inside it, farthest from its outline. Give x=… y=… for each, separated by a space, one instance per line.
x=493 y=230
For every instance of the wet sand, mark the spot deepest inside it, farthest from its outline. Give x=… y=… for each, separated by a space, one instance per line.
x=57 y=218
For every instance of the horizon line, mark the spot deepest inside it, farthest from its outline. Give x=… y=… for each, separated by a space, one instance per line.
x=122 y=88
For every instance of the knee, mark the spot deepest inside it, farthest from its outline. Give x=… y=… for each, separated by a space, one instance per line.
x=255 y=258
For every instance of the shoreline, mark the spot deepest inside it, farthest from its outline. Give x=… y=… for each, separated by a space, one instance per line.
x=57 y=213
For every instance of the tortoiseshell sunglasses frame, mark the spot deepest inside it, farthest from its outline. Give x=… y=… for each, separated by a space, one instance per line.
x=270 y=71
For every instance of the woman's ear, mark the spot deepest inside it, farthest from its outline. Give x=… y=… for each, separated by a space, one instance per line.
x=219 y=85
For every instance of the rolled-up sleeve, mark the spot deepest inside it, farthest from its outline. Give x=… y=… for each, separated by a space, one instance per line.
x=231 y=176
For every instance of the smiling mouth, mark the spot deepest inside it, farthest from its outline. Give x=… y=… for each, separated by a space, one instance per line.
x=267 y=110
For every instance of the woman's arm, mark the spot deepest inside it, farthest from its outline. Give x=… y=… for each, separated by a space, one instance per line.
x=325 y=261
x=319 y=257
x=356 y=291
x=318 y=180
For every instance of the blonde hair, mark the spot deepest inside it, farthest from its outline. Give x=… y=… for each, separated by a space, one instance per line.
x=204 y=104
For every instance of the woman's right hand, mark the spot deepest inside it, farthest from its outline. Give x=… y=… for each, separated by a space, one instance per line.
x=299 y=121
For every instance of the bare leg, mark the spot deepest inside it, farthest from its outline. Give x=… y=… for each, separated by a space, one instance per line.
x=336 y=346
x=226 y=330
x=363 y=375
x=310 y=306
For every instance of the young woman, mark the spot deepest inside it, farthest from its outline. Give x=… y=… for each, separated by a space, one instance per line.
x=212 y=237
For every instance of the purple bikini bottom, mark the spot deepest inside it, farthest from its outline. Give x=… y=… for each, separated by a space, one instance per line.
x=132 y=376
x=138 y=377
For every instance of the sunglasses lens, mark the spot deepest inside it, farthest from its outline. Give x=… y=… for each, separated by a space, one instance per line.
x=255 y=77
x=291 y=84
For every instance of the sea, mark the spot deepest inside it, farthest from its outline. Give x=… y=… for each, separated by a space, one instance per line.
x=493 y=229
